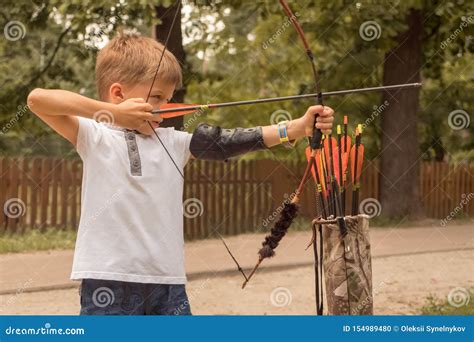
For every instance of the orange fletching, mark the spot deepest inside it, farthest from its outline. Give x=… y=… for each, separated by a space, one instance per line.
x=335 y=157
x=345 y=156
x=360 y=161
x=326 y=152
x=175 y=114
x=345 y=162
x=321 y=172
x=308 y=156
x=343 y=143
x=313 y=171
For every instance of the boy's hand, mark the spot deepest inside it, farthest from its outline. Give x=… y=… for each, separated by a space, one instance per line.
x=323 y=122
x=301 y=127
x=134 y=114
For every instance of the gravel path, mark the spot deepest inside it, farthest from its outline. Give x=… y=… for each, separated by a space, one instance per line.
x=401 y=285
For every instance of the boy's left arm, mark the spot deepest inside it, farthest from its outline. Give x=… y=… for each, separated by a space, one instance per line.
x=301 y=127
x=215 y=143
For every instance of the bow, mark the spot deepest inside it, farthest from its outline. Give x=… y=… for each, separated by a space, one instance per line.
x=290 y=207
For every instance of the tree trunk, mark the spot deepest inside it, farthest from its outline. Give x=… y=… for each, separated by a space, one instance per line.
x=399 y=179
x=175 y=45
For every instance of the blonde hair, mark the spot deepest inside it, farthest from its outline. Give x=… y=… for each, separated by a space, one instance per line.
x=130 y=58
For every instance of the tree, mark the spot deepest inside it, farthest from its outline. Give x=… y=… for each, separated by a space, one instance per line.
x=399 y=176
x=175 y=45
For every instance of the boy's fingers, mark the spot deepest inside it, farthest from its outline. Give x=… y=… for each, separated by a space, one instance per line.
x=146 y=107
x=325 y=119
x=328 y=111
x=146 y=116
x=325 y=126
x=157 y=118
x=321 y=110
x=137 y=99
x=316 y=110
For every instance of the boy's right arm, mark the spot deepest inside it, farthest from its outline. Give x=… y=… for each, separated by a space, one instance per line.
x=59 y=110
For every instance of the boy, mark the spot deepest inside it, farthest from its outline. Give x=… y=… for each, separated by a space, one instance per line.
x=129 y=248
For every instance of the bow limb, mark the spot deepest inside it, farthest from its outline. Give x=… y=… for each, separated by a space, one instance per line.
x=315 y=141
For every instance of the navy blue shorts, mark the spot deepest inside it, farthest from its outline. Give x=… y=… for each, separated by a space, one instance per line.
x=108 y=297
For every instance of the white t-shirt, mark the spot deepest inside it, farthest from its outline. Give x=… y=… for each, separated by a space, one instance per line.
x=131 y=225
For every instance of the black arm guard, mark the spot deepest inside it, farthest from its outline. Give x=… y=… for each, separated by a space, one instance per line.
x=214 y=143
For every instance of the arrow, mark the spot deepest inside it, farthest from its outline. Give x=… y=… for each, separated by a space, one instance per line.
x=346 y=147
x=357 y=159
x=178 y=109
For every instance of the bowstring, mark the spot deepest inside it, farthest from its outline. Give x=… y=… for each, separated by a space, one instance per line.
x=153 y=83
x=158 y=137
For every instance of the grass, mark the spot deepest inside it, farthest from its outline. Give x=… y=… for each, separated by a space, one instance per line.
x=57 y=239
x=385 y=222
x=436 y=306
x=34 y=240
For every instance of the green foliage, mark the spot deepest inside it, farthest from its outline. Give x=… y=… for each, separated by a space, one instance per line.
x=34 y=240
x=437 y=306
x=243 y=50
x=258 y=55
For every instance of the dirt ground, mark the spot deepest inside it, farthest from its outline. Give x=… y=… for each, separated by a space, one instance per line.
x=401 y=285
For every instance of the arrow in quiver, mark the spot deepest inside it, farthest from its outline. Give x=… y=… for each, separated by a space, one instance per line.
x=341 y=166
x=346 y=150
x=357 y=159
x=330 y=145
x=316 y=173
x=337 y=156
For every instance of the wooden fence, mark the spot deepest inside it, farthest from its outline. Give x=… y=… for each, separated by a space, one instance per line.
x=233 y=197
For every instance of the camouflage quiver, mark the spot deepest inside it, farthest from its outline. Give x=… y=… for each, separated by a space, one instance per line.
x=348 y=267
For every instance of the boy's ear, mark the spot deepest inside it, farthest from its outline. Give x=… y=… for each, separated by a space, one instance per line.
x=116 y=93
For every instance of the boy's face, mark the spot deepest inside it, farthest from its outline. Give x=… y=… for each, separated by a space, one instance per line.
x=161 y=93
